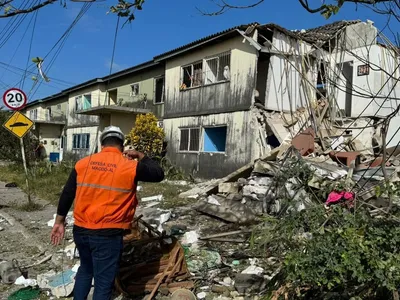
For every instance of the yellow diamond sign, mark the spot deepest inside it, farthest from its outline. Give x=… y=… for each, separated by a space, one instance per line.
x=18 y=124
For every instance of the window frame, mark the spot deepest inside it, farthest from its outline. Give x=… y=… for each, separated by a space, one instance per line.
x=78 y=144
x=138 y=89
x=188 y=143
x=203 y=65
x=155 y=90
x=204 y=134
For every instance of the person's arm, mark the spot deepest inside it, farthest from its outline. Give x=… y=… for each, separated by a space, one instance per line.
x=147 y=169
x=64 y=204
x=67 y=197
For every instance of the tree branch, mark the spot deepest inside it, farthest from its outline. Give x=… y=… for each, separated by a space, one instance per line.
x=25 y=11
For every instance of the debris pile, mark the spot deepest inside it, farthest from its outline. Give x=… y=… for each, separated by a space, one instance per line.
x=151 y=261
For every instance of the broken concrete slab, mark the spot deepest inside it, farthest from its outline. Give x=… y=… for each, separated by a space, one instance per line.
x=228 y=188
x=229 y=211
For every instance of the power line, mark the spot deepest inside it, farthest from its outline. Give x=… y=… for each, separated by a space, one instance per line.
x=62 y=39
x=30 y=49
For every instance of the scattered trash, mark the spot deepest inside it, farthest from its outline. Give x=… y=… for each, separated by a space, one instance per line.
x=199 y=260
x=25 y=281
x=11 y=185
x=153 y=198
x=62 y=284
x=26 y=293
x=190 y=238
x=201 y=295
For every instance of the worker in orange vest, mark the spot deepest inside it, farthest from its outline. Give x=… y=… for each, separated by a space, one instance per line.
x=104 y=188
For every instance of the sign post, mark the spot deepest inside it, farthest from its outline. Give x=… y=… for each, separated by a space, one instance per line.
x=18 y=124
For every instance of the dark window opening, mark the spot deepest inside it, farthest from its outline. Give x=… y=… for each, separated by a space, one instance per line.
x=159 y=97
x=215 y=139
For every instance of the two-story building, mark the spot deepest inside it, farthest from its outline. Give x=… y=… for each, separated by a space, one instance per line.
x=207 y=92
x=89 y=107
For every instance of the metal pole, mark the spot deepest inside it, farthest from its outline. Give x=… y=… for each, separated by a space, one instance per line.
x=26 y=169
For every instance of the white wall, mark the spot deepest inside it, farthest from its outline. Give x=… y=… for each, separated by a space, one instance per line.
x=377 y=83
x=92 y=130
x=285 y=89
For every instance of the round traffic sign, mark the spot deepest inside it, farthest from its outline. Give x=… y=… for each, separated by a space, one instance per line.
x=14 y=99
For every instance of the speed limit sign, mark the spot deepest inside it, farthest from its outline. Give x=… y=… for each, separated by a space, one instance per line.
x=14 y=99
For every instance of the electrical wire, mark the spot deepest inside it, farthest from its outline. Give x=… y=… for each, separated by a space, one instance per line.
x=60 y=41
x=30 y=49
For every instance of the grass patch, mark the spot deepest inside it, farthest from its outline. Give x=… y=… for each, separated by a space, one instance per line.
x=29 y=206
x=45 y=181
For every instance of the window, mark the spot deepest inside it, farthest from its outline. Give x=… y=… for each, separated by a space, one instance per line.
x=215 y=139
x=33 y=114
x=192 y=75
x=190 y=138
x=48 y=113
x=159 y=97
x=363 y=70
x=81 y=141
x=78 y=103
x=58 y=106
x=210 y=70
x=135 y=90
x=217 y=68
x=87 y=101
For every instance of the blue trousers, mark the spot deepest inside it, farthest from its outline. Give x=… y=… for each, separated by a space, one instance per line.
x=99 y=256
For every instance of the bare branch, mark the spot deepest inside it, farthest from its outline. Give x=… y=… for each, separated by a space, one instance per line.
x=25 y=11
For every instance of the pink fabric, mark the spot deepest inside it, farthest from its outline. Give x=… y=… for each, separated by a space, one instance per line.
x=335 y=197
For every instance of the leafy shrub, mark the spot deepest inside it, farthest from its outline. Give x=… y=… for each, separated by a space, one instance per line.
x=146 y=136
x=333 y=253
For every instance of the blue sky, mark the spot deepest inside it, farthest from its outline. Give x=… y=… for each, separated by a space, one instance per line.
x=161 y=26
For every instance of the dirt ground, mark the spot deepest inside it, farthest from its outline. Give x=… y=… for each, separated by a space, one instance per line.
x=25 y=235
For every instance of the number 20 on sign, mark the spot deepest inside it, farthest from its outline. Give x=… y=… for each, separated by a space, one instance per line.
x=14 y=99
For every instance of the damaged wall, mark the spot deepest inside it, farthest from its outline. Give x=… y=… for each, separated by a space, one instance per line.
x=240 y=146
x=286 y=91
x=235 y=94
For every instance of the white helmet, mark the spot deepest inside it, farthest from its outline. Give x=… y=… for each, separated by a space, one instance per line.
x=112 y=131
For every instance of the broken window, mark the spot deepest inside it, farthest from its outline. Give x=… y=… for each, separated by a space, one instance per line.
x=215 y=139
x=81 y=141
x=159 y=96
x=192 y=75
x=135 y=90
x=190 y=139
x=217 y=68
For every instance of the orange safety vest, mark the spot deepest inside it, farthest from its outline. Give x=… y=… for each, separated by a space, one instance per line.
x=106 y=190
